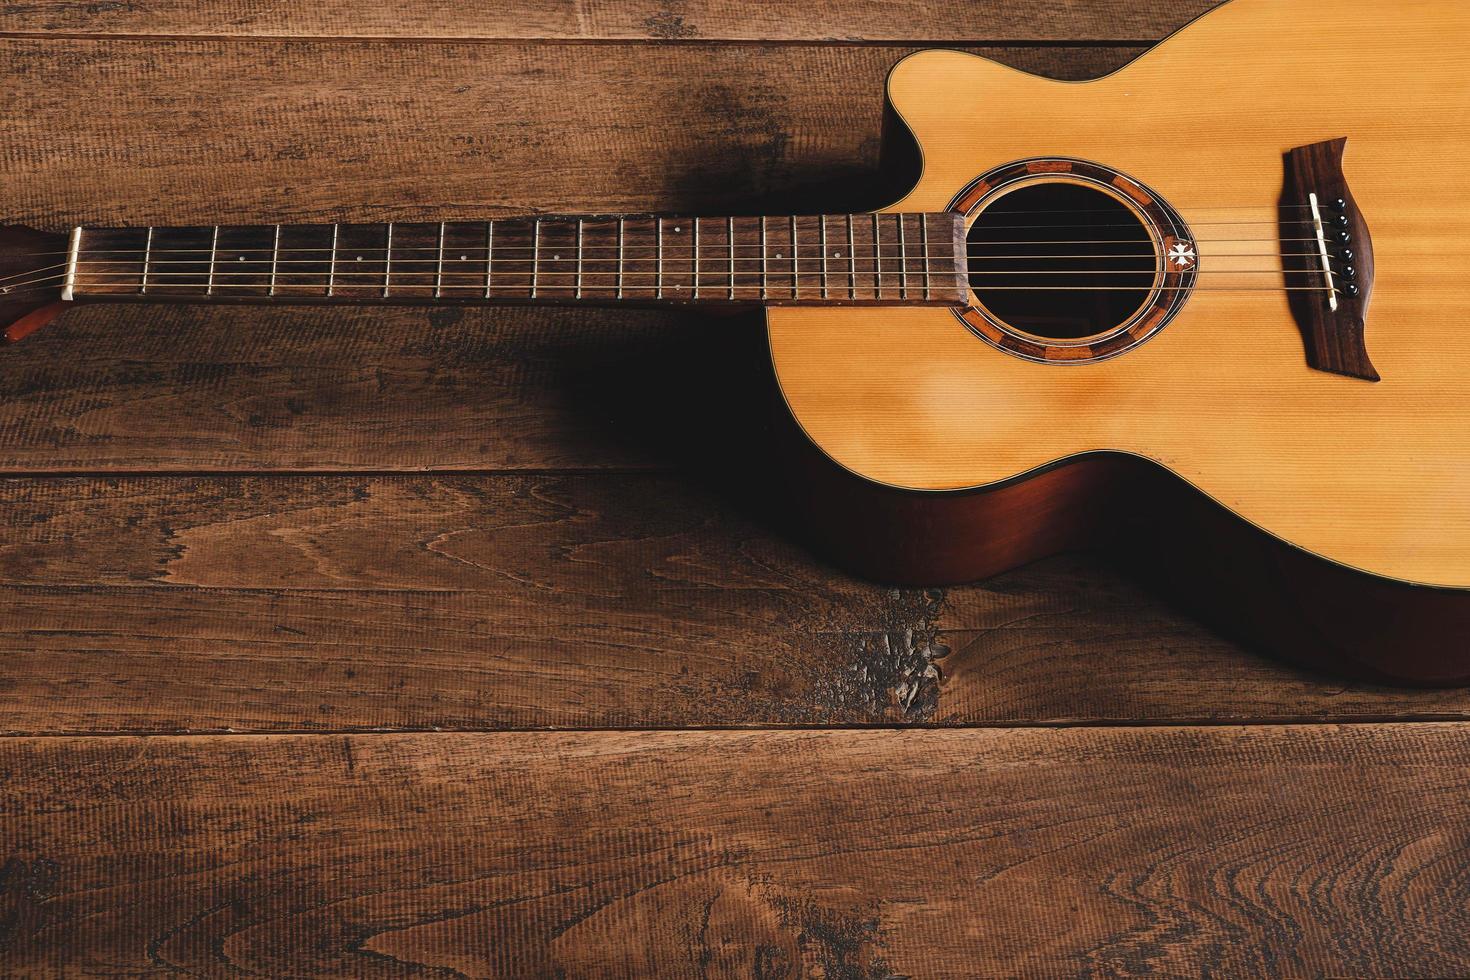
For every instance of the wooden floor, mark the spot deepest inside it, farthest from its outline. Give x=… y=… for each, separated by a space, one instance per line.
x=467 y=643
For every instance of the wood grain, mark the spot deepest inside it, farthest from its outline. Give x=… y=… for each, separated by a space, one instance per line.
x=1239 y=852
x=351 y=389
x=304 y=603
x=281 y=131
x=656 y=20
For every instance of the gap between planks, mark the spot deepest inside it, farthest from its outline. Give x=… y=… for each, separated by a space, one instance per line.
x=683 y=42
x=930 y=728
x=195 y=472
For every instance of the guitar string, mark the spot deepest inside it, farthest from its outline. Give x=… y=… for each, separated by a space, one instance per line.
x=706 y=255
x=717 y=272
x=722 y=255
x=718 y=290
x=566 y=223
x=712 y=244
x=1249 y=208
x=548 y=222
x=716 y=242
x=837 y=263
x=714 y=279
x=721 y=277
x=722 y=260
x=716 y=254
x=723 y=266
x=718 y=283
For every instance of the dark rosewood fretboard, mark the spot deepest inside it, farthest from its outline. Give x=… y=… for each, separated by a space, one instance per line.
x=867 y=259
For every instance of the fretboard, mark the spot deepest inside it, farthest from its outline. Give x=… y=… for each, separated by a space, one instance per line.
x=863 y=259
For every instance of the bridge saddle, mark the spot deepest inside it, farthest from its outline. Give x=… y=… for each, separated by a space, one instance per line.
x=1327 y=255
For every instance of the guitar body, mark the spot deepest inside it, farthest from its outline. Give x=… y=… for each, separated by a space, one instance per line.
x=1321 y=514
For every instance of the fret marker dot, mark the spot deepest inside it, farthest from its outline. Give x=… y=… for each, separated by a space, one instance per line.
x=359 y=258
x=240 y=259
x=464 y=258
x=677 y=228
x=778 y=255
x=837 y=255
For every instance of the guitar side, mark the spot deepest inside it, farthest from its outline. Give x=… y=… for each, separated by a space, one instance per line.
x=1321 y=516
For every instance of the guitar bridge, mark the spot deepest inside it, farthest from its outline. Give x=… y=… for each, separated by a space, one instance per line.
x=1327 y=256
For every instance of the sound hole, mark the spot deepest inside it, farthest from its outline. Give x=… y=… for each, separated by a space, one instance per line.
x=1060 y=260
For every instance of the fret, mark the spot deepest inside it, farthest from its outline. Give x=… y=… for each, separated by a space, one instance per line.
x=579 y=257
x=213 y=252
x=535 y=256
x=695 y=254
x=924 y=239
x=621 y=259
x=147 y=257
x=332 y=272
x=408 y=252
x=439 y=268
x=903 y=262
x=765 y=275
x=659 y=258
x=777 y=247
x=304 y=263
x=489 y=257
x=179 y=261
x=851 y=262
x=795 y=263
x=822 y=243
x=388 y=262
x=730 y=233
x=275 y=259
x=877 y=259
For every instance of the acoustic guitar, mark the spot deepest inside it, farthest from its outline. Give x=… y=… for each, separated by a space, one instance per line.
x=1212 y=307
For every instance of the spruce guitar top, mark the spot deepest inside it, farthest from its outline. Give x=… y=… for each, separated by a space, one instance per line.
x=1210 y=306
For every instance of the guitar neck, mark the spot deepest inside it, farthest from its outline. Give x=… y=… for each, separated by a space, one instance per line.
x=858 y=259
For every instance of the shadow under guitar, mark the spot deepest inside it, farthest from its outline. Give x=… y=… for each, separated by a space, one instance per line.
x=709 y=401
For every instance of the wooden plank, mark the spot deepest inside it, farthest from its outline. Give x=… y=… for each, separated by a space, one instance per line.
x=188 y=132
x=952 y=21
x=1302 y=851
x=107 y=387
x=309 y=603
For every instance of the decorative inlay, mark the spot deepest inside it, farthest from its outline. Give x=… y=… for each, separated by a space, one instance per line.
x=1176 y=266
